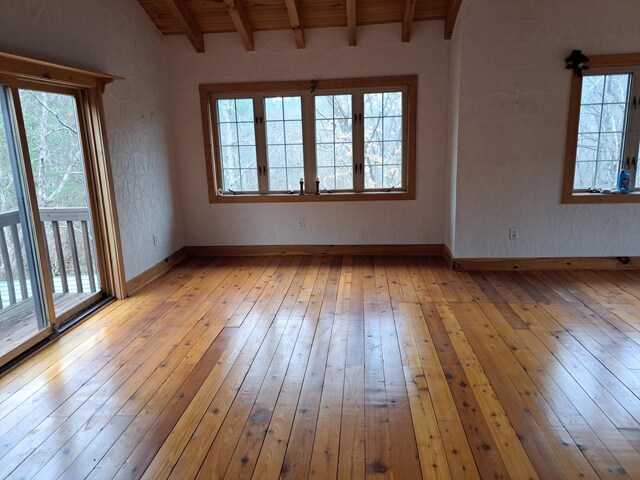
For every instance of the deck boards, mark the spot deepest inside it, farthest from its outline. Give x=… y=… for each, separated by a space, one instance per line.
x=337 y=367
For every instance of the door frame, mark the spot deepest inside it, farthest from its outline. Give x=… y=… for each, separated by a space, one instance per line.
x=87 y=88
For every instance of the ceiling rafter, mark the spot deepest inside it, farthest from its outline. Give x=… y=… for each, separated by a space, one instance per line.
x=187 y=22
x=238 y=15
x=352 y=22
x=450 y=19
x=407 y=19
x=198 y=17
x=293 y=9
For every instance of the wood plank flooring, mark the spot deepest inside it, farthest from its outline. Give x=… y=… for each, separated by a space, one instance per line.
x=337 y=367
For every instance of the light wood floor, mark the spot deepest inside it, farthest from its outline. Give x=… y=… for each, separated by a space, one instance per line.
x=348 y=367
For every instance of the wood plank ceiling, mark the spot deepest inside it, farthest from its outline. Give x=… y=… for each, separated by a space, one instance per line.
x=194 y=18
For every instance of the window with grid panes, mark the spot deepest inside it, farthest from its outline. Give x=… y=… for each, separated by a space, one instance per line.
x=604 y=131
x=354 y=139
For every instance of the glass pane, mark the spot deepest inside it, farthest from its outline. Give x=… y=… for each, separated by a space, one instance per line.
x=21 y=313
x=616 y=88
x=278 y=178
x=607 y=174
x=276 y=157
x=273 y=108
x=587 y=147
x=602 y=124
x=334 y=141
x=590 y=117
x=383 y=147
x=292 y=110
x=55 y=148
x=238 y=158
x=610 y=146
x=613 y=117
x=592 y=89
x=284 y=142
x=585 y=173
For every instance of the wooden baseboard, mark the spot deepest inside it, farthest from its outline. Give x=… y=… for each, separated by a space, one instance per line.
x=139 y=281
x=447 y=256
x=550 y=263
x=486 y=264
x=262 y=250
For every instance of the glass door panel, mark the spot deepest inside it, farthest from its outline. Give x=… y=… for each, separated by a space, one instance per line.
x=58 y=167
x=22 y=312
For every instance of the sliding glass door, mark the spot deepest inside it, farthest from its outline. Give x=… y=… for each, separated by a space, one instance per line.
x=50 y=263
x=58 y=168
x=22 y=310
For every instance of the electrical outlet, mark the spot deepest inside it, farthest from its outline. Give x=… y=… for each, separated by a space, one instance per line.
x=155 y=240
x=301 y=223
x=514 y=233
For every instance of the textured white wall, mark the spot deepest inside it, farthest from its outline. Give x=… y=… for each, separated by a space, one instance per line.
x=327 y=55
x=512 y=128
x=452 y=137
x=116 y=37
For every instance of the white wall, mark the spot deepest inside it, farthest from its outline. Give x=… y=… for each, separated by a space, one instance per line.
x=116 y=37
x=512 y=127
x=452 y=137
x=327 y=55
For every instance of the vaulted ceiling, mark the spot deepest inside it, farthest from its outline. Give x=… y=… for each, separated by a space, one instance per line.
x=194 y=18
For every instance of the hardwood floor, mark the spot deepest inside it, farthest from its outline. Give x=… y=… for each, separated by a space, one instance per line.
x=337 y=367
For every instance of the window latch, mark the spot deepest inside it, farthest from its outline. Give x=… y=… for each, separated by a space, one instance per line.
x=628 y=163
x=633 y=162
x=635 y=105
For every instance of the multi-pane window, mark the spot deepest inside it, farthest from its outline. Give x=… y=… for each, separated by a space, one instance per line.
x=334 y=141
x=237 y=145
x=285 y=157
x=383 y=140
x=603 y=131
x=346 y=136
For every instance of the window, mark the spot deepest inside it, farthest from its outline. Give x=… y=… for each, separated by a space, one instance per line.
x=355 y=139
x=603 y=131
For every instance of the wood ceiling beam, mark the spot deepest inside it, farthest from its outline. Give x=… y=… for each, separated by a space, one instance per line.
x=407 y=19
x=293 y=8
x=450 y=20
x=352 y=23
x=187 y=22
x=238 y=15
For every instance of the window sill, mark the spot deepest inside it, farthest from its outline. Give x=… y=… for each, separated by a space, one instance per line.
x=633 y=197
x=322 y=197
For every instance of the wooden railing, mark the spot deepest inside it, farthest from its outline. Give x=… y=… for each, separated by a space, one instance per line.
x=62 y=227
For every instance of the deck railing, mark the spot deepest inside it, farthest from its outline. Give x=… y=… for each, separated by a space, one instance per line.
x=67 y=236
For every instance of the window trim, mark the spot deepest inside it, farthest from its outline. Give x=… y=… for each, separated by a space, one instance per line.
x=87 y=88
x=214 y=178
x=569 y=195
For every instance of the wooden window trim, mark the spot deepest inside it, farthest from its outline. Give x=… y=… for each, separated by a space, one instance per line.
x=569 y=196
x=87 y=87
x=208 y=91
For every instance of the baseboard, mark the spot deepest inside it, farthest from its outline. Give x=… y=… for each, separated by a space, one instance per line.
x=139 y=281
x=547 y=263
x=486 y=264
x=262 y=250
x=447 y=256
